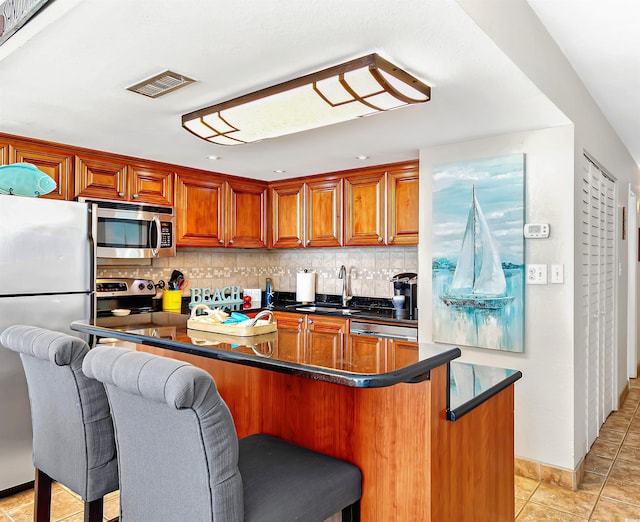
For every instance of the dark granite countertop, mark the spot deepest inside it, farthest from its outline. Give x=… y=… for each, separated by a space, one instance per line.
x=368 y=309
x=278 y=351
x=470 y=384
x=361 y=308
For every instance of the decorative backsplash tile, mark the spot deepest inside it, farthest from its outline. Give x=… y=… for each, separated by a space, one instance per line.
x=370 y=269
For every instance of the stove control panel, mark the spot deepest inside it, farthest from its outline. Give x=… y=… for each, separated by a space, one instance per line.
x=121 y=287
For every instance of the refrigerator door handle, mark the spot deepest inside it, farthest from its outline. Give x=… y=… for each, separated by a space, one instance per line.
x=92 y=227
x=155 y=246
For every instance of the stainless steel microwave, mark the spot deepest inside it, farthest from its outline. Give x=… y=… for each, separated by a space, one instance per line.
x=133 y=230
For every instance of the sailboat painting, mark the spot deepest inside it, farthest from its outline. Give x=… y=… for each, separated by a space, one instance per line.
x=478 y=253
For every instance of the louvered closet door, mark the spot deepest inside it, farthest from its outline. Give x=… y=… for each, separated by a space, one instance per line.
x=598 y=295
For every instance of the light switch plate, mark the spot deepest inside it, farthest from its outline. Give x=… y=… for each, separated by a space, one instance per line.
x=536 y=274
x=557 y=274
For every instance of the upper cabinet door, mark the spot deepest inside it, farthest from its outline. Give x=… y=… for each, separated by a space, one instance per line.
x=364 y=209
x=4 y=153
x=404 y=198
x=151 y=185
x=324 y=207
x=100 y=177
x=56 y=163
x=199 y=210
x=246 y=224
x=287 y=215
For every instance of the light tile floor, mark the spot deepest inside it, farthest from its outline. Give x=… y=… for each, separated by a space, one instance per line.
x=610 y=491
x=65 y=505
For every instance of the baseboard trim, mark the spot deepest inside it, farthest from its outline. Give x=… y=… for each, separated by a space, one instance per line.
x=564 y=478
x=623 y=396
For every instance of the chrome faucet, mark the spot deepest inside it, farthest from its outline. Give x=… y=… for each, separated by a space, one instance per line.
x=345 y=286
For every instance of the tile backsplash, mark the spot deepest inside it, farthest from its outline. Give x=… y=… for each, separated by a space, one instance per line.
x=370 y=268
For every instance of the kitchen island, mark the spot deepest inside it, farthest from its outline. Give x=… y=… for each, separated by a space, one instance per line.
x=433 y=438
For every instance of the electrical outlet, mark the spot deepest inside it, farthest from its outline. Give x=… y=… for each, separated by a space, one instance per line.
x=256 y=296
x=536 y=274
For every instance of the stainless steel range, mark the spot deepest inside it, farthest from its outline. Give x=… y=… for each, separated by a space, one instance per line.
x=124 y=294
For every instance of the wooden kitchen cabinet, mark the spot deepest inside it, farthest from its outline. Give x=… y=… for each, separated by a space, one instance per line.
x=214 y=212
x=402 y=353
x=306 y=214
x=4 y=152
x=56 y=162
x=152 y=185
x=312 y=322
x=381 y=206
x=324 y=340
x=200 y=212
x=319 y=338
x=287 y=211
x=100 y=177
x=104 y=177
x=246 y=223
x=364 y=196
x=376 y=354
x=324 y=213
x=326 y=324
x=369 y=352
x=403 y=197
x=290 y=321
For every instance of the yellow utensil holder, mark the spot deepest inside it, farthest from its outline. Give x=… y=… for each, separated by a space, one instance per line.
x=172 y=300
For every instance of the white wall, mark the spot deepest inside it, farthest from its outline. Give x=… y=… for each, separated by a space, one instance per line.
x=516 y=30
x=544 y=397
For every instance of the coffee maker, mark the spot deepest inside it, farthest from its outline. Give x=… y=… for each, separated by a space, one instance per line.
x=405 y=295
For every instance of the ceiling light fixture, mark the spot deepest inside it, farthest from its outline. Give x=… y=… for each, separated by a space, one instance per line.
x=344 y=92
x=213 y=157
x=362 y=157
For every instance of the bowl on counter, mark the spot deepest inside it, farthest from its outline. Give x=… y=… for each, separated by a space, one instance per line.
x=120 y=312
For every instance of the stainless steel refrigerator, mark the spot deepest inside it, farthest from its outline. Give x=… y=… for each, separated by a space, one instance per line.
x=46 y=279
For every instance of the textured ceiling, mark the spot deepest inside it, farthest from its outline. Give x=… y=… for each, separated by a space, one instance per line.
x=63 y=78
x=601 y=41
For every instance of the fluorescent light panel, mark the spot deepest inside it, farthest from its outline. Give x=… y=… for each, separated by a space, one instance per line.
x=357 y=88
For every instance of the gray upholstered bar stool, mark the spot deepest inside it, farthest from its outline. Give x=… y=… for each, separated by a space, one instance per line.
x=180 y=458
x=73 y=439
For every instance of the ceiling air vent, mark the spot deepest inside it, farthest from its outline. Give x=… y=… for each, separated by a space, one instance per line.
x=160 y=84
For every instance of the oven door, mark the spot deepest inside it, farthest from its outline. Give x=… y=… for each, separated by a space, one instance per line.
x=127 y=231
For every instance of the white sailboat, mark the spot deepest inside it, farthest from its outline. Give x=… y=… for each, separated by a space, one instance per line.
x=478 y=281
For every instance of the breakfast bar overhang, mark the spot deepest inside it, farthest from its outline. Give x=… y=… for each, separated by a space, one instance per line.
x=434 y=442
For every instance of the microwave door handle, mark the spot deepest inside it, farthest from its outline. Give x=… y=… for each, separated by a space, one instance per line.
x=155 y=247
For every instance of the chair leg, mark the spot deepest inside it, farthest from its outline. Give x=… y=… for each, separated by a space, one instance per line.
x=351 y=513
x=93 y=511
x=42 y=497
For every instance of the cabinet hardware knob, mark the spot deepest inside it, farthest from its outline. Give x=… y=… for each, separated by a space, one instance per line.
x=300 y=320
x=310 y=322
x=379 y=239
x=135 y=196
x=120 y=194
x=299 y=241
x=308 y=241
x=231 y=241
x=221 y=241
x=390 y=238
